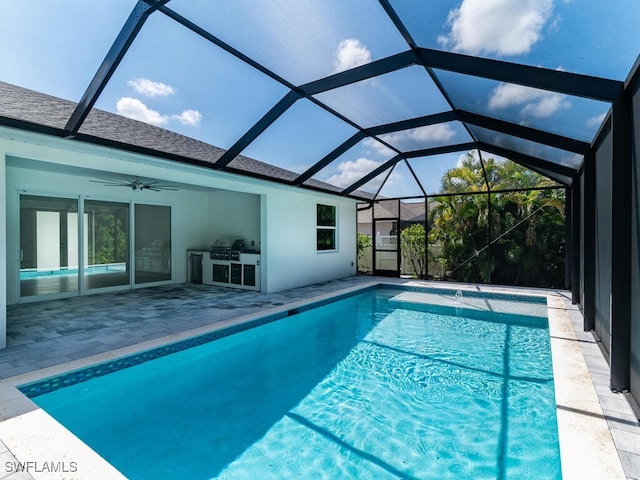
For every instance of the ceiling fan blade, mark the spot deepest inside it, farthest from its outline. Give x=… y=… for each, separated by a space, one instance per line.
x=135 y=184
x=162 y=186
x=110 y=184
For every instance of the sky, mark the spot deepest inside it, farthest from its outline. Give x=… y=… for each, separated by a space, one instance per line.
x=174 y=79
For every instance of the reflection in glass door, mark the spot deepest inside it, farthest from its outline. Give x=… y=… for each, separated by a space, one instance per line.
x=152 y=243
x=50 y=250
x=106 y=240
x=48 y=245
x=386 y=246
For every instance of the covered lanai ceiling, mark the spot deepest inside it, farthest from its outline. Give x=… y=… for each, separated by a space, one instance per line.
x=327 y=94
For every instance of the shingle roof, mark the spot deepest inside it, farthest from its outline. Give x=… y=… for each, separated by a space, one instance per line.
x=410 y=211
x=24 y=105
x=30 y=106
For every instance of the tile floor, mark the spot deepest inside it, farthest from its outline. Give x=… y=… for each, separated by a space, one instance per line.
x=46 y=334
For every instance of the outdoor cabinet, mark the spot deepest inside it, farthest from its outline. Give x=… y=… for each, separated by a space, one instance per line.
x=221 y=272
x=236 y=273
x=250 y=275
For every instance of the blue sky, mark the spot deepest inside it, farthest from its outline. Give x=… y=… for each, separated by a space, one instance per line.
x=176 y=80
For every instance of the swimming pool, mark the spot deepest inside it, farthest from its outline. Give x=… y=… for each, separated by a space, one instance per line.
x=377 y=385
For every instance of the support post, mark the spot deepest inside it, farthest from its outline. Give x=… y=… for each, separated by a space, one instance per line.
x=589 y=228
x=576 y=215
x=568 y=244
x=489 y=237
x=621 y=201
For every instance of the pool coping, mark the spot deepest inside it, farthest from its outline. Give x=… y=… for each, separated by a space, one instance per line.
x=586 y=442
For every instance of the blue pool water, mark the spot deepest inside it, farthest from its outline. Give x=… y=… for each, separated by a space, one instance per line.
x=369 y=386
x=26 y=274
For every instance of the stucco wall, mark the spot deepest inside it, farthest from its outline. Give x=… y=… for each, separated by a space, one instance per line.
x=290 y=241
x=3 y=259
x=234 y=215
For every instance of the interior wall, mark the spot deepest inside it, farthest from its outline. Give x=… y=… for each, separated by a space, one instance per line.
x=635 y=253
x=234 y=215
x=603 y=169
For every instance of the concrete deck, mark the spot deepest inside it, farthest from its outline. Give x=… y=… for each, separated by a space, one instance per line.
x=48 y=338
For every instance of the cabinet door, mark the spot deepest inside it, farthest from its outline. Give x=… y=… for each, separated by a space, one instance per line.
x=250 y=275
x=195 y=267
x=236 y=273
x=220 y=273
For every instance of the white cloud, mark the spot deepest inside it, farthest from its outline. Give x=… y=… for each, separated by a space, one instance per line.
x=421 y=137
x=349 y=54
x=352 y=171
x=546 y=105
x=189 y=117
x=539 y=103
x=378 y=148
x=135 y=109
x=149 y=88
x=596 y=121
x=501 y=27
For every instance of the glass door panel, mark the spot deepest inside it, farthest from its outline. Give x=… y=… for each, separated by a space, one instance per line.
x=106 y=239
x=48 y=245
x=152 y=243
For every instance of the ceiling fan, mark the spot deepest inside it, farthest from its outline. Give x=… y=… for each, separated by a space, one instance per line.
x=136 y=184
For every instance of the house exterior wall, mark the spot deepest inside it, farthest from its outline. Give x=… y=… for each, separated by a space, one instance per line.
x=3 y=259
x=289 y=240
x=281 y=218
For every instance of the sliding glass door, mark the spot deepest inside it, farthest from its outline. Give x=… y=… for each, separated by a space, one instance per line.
x=153 y=243
x=106 y=240
x=48 y=245
x=110 y=242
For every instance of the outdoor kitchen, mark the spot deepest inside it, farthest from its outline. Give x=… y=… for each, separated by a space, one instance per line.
x=234 y=265
x=232 y=258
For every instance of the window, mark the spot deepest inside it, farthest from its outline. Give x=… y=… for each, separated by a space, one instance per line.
x=326 y=227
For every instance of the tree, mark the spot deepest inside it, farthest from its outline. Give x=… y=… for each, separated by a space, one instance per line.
x=413 y=246
x=364 y=242
x=527 y=227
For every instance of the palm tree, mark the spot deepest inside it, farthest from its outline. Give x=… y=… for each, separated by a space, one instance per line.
x=526 y=226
